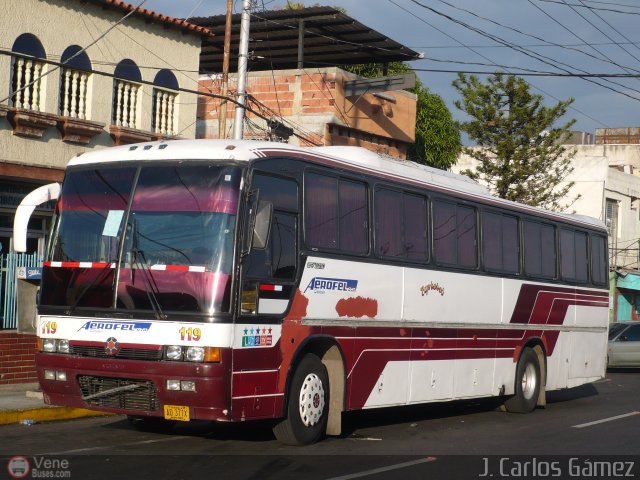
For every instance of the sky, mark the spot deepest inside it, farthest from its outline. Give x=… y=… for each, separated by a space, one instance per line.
x=560 y=37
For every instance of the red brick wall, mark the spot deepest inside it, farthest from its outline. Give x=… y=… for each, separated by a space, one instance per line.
x=17 y=358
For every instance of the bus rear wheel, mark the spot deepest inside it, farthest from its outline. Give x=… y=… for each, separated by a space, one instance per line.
x=307 y=406
x=527 y=384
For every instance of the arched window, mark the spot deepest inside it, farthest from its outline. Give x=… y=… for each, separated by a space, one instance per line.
x=126 y=94
x=74 y=82
x=165 y=94
x=27 y=72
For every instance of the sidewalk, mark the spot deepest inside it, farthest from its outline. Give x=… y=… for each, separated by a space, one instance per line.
x=23 y=403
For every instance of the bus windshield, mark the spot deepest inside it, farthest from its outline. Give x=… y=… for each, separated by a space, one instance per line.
x=178 y=224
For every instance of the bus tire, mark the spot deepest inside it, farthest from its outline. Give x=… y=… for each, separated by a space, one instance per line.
x=527 y=384
x=307 y=406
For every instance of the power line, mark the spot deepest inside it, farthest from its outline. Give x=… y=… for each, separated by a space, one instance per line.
x=598 y=8
x=520 y=32
x=532 y=45
x=603 y=33
x=535 y=74
x=578 y=37
x=586 y=115
x=541 y=58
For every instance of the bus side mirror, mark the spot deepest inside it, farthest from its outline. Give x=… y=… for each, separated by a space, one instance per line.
x=25 y=209
x=262 y=226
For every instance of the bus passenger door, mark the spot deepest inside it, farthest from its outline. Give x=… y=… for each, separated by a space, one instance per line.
x=268 y=273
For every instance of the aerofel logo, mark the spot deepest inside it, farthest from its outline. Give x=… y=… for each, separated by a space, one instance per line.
x=106 y=326
x=18 y=467
x=321 y=285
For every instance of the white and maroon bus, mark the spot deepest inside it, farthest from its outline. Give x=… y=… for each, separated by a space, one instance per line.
x=237 y=280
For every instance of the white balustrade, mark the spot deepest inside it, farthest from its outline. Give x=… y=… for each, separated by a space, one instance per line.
x=164 y=110
x=27 y=83
x=126 y=104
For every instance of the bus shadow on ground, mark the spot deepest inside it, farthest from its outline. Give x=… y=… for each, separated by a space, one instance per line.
x=569 y=394
x=352 y=421
x=260 y=431
x=255 y=431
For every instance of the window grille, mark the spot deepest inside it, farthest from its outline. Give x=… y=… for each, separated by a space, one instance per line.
x=611 y=218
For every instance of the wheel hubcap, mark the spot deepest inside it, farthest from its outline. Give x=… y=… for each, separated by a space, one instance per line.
x=311 y=400
x=529 y=381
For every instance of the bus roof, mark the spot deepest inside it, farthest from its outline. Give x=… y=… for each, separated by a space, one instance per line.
x=348 y=157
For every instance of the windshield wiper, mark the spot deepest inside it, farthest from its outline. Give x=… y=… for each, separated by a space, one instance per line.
x=144 y=266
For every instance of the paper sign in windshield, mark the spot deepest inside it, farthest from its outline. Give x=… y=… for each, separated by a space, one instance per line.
x=113 y=223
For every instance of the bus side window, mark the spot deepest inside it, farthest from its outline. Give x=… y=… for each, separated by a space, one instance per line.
x=500 y=243
x=539 y=249
x=454 y=234
x=336 y=214
x=599 y=267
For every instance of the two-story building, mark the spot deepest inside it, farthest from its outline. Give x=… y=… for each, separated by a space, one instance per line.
x=77 y=75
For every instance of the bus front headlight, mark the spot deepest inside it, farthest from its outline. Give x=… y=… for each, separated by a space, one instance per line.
x=49 y=345
x=195 y=354
x=173 y=352
x=54 y=345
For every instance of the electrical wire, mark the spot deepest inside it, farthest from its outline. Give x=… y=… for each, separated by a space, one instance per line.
x=541 y=58
x=584 y=114
x=603 y=33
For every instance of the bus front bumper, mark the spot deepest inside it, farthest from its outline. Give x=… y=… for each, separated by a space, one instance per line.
x=137 y=388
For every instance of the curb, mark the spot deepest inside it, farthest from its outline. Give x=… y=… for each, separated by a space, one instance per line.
x=46 y=414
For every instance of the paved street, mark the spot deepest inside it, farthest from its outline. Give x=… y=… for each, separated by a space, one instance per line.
x=594 y=420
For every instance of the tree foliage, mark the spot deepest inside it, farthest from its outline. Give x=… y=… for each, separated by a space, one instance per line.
x=437 y=134
x=521 y=156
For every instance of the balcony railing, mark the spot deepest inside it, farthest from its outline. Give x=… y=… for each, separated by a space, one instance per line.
x=27 y=83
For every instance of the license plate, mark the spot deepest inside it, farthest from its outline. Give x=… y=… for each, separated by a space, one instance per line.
x=176 y=412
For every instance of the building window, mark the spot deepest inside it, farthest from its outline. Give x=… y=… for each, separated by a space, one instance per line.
x=27 y=73
x=163 y=115
x=74 y=83
x=126 y=95
x=611 y=217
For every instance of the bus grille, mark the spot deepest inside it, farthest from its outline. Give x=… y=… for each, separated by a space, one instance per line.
x=122 y=393
x=124 y=353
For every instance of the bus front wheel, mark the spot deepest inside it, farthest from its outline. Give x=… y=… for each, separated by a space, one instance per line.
x=308 y=404
x=527 y=384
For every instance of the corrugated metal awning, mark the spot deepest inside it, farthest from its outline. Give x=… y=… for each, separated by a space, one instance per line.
x=331 y=38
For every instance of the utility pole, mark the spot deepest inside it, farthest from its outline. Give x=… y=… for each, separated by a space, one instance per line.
x=243 y=53
x=224 y=89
